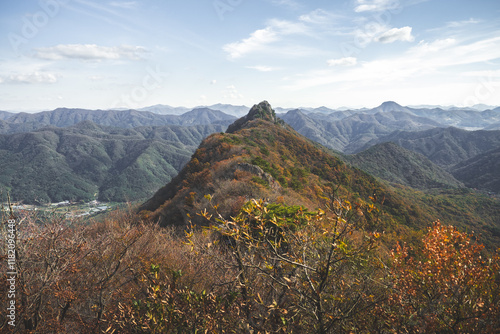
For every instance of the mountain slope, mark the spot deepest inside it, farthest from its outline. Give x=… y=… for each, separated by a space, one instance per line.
x=354 y=131
x=481 y=172
x=5 y=114
x=263 y=158
x=393 y=163
x=205 y=116
x=259 y=156
x=445 y=146
x=74 y=163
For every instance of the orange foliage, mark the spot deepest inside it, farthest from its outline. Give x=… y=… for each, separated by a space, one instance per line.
x=447 y=287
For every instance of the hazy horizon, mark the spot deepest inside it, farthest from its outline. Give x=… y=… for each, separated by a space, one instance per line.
x=478 y=107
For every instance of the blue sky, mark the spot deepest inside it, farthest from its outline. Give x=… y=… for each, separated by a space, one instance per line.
x=131 y=54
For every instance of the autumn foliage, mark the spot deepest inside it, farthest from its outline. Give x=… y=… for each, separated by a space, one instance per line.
x=448 y=285
x=272 y=268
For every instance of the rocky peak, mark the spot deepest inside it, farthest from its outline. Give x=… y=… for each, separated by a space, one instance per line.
x=262 y=110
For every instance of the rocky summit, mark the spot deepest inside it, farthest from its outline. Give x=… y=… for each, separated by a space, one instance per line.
x=262 y=111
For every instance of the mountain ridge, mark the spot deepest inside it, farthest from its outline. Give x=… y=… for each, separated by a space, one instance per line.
x=64 y=117
x=264 y=159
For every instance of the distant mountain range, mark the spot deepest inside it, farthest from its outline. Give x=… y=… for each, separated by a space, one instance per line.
x=430 y=154
x=64 y=117
x=168 y=110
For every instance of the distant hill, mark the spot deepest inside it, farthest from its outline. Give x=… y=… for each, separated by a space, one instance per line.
x=444 y=146
x=493 y=127
x=470 y=156
x=393 y=163
x=482 y=171
x=348 y=134
x=165 y=109
x=64 y=117
x=5 y=114
x=261 y=157
x=204 y=116
x=470 y=119
x=77 y=162
x=235 y=110
x=466 y=118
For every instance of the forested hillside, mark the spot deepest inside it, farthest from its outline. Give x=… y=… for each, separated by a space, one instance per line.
x=87 y=161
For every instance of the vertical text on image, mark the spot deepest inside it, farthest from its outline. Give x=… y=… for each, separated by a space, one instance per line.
x=11 y=272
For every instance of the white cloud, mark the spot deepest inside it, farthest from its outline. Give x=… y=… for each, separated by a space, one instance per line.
x=319 y=16
x=257 y=40
x=483 y=74
x=262 y=68
x=423 y=48
x=262 y=38
x=376 y=32
x=454 y=25
x=347 y=61
x=375 y=5
x=363 y=37
x=213 y=82
x=31 y=78
x=426 y=61
x=458 y=24
x=90 y=52
x=396 y=34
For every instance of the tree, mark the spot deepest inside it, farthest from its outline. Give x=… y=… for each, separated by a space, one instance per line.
x=447 y=286
x=171 y=308
x=298 y=271
x=71 y=275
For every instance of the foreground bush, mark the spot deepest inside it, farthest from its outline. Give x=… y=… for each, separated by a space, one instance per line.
x=272 y=268
x=448 y=285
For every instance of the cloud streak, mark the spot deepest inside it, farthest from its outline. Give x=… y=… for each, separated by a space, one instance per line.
x=36 y=77
x=262 y=68
x=256 y=42
x=375 y=5
x=347 y=61
x=396 y=34
x=426 y=58
x=261 y=39
x=90 y=52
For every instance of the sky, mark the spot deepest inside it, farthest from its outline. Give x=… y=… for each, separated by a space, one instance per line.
x=292 y=53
